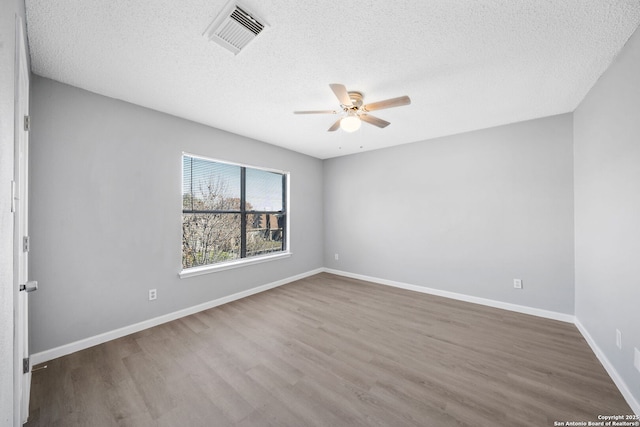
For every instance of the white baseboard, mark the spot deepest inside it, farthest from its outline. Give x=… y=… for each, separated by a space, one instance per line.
x=63 y=350
x=563 y=317
x=613 y=373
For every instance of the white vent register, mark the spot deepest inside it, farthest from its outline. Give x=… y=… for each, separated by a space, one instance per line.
x=234 y=28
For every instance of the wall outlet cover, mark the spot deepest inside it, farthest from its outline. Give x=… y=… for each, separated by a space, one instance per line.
x=618 y=339
x=517 y=283
x=636 y=358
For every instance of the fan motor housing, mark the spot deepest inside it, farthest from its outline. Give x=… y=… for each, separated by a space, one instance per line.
x=356 y=98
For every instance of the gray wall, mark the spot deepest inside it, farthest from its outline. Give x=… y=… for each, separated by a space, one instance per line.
x=10 y=8
x=607 y=206
x=106 y=213
x=466 y=213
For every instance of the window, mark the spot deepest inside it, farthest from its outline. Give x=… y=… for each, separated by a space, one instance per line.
x=231 y=212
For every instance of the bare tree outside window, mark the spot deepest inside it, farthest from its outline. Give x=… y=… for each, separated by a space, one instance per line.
x=208 y=238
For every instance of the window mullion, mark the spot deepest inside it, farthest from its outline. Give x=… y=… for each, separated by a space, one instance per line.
x=283 y=207
x=243 y=213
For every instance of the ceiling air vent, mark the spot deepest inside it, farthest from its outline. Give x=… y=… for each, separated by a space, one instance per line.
x=234 y=28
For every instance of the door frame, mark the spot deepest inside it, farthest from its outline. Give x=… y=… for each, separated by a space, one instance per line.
x=22 y=379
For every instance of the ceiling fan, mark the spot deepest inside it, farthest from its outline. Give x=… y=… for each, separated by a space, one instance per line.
x=354 y=111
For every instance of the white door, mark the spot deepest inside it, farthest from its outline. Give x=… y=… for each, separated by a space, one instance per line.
x=21 y=225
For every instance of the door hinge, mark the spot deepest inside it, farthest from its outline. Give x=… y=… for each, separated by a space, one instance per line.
x=26 y=243
x=26 y=366
x=27 y=123
x=13 y=196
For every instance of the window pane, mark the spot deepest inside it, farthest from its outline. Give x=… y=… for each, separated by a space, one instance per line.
x=264 y=190
x=216 y=227
x=265 y=234
x=209 y=238
x=208 y=185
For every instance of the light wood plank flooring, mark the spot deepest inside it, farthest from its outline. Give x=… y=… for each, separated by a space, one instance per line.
x=331 y=351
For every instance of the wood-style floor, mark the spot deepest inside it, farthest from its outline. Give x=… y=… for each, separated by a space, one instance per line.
x=331 y=351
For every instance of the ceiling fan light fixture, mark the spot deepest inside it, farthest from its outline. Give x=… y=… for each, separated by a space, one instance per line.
x=355 y=112
x=350 y=123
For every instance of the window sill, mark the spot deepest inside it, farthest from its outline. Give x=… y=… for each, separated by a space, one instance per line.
x=206 y=269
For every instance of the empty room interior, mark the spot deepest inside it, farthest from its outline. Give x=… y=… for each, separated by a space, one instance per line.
x=368 y=213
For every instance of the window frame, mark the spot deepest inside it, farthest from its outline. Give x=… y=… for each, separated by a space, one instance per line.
x=243 y=212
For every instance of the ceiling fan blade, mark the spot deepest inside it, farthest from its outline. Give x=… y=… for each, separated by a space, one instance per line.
x=388 y=103
x=335 y=126
x=341 y=93
x=374 y=120
x=316 y=112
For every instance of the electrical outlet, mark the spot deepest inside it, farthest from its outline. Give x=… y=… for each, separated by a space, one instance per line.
x=517 y=283
x=335 y=256
x=619 y=339
x=636 y=358
x=153 y=294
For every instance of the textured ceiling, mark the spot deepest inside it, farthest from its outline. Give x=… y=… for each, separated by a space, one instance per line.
x=465 y=64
